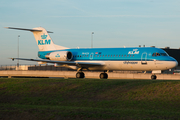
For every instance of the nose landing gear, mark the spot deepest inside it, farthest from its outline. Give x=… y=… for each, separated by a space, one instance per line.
x=153 y=77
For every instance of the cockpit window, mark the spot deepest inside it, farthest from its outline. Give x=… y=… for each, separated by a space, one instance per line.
x=164 y=54
x=159 y=54
x=156 y=54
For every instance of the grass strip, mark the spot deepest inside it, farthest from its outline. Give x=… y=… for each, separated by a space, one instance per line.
x=27 y=98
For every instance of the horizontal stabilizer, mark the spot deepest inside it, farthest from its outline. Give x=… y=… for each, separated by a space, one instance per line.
x=32 y=30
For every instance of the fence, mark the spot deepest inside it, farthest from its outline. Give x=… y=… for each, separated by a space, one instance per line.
x=34 y=67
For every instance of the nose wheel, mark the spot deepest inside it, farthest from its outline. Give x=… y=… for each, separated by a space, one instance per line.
x=153 y=77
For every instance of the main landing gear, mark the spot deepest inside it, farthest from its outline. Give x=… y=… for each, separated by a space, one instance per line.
x=153 y=77
x=103 y=75
x=81 y=75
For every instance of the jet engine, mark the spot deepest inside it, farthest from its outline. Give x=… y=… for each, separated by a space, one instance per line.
x=60 y=56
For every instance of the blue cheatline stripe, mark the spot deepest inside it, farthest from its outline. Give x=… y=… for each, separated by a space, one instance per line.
x=108 y=60
x=116 y=60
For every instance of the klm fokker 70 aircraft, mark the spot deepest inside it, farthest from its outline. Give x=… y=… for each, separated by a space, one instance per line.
x=105 y=59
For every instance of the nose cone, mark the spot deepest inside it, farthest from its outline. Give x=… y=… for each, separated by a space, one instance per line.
x=171 y=62
x=174 y=62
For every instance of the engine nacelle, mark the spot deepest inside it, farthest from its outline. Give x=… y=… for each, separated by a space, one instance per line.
x=60 y=56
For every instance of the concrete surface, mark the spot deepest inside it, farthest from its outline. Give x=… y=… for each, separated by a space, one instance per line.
x=72 y=74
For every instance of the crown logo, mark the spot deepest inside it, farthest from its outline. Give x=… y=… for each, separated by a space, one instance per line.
x=57 y=55
x=43 y=36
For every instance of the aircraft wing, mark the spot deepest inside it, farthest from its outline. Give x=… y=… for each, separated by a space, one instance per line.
x=79 y=64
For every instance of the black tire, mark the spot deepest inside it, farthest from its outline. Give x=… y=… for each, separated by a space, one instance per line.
x=82 y=75
x=153 y=77
x=79 y=75
x=103 y=76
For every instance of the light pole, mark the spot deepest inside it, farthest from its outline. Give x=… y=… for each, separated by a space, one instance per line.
x=18 y=53
x=92 y=39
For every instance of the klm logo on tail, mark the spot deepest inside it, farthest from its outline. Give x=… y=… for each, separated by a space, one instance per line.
x=44 y=41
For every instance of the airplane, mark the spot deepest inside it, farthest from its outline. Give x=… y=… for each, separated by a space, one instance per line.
x=101 y=59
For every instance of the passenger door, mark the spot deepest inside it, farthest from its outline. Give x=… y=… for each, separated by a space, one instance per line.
x=91 y=56
x=144 y=58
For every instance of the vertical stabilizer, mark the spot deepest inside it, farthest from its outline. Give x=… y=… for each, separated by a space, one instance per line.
x=43 y=39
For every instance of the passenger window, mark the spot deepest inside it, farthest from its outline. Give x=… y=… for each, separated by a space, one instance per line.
x=119 y=55
x=124 y=55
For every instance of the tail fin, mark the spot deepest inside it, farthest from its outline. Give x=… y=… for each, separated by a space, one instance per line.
x=43 y=39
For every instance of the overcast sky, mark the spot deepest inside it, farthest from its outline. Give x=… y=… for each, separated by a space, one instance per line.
x=115 y=23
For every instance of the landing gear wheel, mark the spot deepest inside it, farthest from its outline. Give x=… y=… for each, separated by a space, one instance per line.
x=153 y=77
x=79 y=75
x=103 y=76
